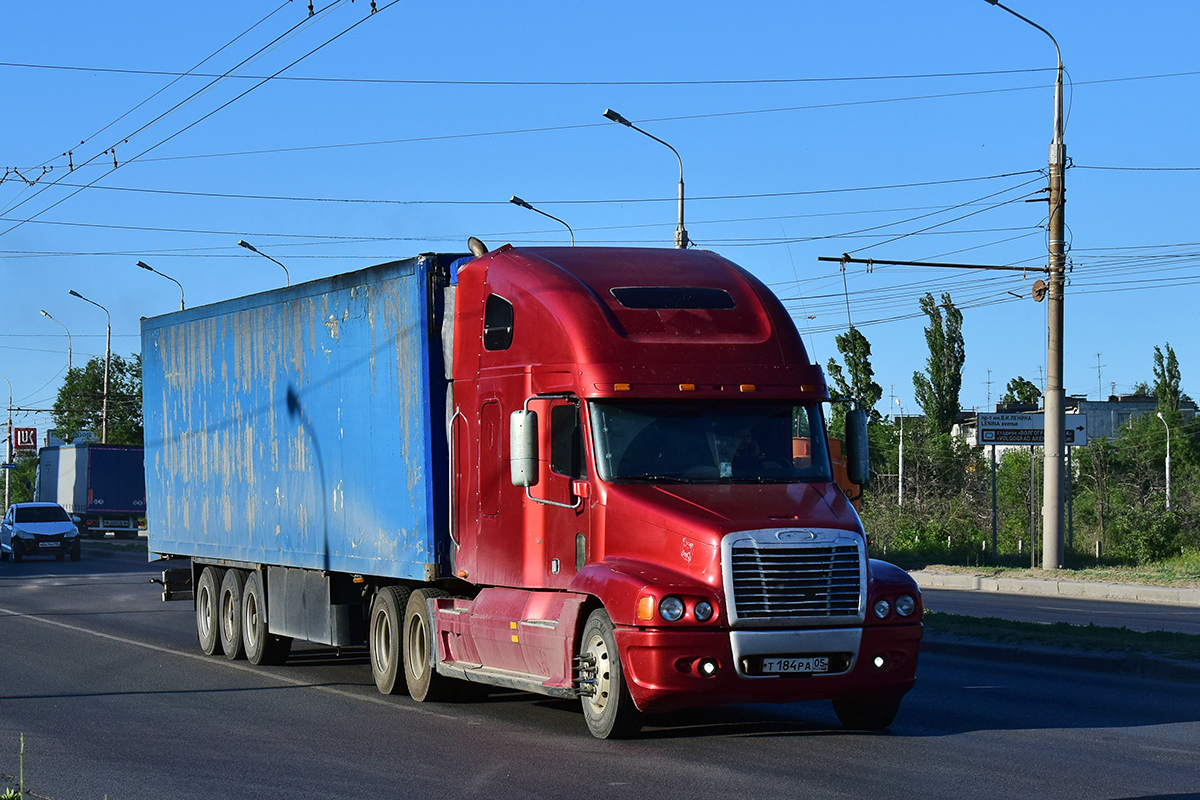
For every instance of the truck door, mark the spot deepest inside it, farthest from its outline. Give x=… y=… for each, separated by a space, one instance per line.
x=556 y=516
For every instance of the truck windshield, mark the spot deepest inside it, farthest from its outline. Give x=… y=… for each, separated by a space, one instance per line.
x=709 y=442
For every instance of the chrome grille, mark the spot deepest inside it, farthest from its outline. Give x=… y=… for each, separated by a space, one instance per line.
x=808 y=581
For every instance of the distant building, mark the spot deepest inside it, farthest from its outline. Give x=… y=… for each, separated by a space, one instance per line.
x=1105 y=418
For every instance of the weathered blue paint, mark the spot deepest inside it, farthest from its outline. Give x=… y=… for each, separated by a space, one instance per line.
x=304 y=426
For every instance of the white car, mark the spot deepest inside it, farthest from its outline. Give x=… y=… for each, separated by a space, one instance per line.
x=38 y=529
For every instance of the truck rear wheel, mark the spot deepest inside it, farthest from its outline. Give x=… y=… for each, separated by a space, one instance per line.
x=424 y=683
x=385 y=639
x=263 y=648
x=208 y=592
x=867 y=713
x=229 y=611
x=608 y=710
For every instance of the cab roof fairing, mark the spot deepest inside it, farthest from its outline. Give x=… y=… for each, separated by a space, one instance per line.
x=565 y=313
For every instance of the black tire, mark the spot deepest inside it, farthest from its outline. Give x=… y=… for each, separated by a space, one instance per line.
x=76 y=553
x=229 y=614
x=18 y=550
x=424 y=683
x=263 y=648
x=207 y=600
x=3 y=555
x=385 y=639
x=867 y=713
x=609 y=710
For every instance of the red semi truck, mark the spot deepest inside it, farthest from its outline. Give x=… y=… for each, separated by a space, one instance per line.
x=593 y=473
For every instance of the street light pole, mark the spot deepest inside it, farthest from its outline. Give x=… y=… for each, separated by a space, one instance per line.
x=1168 y=427
x=146 y=266
x=681 y=234
x=900 y=482
x=8 y=450
x=1055 y=420
x=46 y=314
x=516 y=201
x=253 y=249
x=107 y=359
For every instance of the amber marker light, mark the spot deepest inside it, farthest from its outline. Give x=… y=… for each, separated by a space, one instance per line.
x=748 y=387
x=687 y=387
x=622 y=387
x=645 y=608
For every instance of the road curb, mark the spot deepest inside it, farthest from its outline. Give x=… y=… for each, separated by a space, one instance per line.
x=1139 y=664
x=1087 y=590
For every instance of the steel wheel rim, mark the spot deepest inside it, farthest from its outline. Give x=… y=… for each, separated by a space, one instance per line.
x=381 y=633
x=598 y=701
x=251 y=627
x=205 y=612
x=418 y=646
x=228 y=616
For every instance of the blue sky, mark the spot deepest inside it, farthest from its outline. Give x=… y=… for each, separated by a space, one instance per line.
x=906 y=131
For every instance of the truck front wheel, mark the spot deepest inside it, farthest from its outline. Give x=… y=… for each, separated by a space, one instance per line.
x=229 y=614
x=385 y=639
x=867 y=713
x=424 y=683
x=608 y=709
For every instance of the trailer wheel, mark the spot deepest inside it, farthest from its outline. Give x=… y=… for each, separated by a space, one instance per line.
x=208 y=593
x=385 y=640
x=867 y=713
x=263 y=648
x=608 y=710
x=229 y=611
x=424 y=683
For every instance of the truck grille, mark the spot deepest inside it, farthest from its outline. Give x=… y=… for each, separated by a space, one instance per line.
x=772 y=581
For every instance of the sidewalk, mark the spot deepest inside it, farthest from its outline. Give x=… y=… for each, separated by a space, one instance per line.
x=1078 y=589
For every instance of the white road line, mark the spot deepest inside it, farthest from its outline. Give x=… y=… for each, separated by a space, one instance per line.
x=231 y=664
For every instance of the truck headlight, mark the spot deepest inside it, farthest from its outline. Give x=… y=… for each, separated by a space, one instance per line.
x=703 y=611
x=905 y=605
x=671 y=609
x=882 y=607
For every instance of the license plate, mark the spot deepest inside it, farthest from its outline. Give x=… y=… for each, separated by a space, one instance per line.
x=47 y=544
x=789 y=666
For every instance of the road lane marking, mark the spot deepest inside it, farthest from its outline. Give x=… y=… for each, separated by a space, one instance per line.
x=234 y=665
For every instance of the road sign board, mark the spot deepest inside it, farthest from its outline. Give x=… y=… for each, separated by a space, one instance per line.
x=25 y=438
x=1028 y=429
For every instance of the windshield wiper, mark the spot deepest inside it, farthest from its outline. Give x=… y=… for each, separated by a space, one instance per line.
x=653 y=477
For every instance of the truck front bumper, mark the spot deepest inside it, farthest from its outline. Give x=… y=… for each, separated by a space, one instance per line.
x=672 y=669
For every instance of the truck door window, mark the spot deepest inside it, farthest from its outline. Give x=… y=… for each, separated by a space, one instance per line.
x=566 y=442
x=497 y=323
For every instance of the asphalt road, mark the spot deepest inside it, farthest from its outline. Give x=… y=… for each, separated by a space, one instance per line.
x=1039 y=608
x=115 y=698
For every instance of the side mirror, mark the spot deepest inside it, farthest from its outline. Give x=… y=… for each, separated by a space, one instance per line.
x=523 y=448
x=858 y=467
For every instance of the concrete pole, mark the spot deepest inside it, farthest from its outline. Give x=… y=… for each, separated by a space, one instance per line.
x=1055 y=436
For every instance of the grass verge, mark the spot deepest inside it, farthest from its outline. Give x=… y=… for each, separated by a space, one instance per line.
x=1182 y=571
x=1065 y=635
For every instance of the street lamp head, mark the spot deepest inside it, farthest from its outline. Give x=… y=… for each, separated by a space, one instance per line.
x=1159 y=415
x=44 y=314
x=615 y=117
x=247 y=245
x=144 y=265
x=516 y=201
x=74 y=293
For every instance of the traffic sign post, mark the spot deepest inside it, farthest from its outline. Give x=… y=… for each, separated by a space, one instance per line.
x=1025 y=430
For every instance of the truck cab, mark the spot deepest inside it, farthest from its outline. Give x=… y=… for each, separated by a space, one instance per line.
x=638 y=456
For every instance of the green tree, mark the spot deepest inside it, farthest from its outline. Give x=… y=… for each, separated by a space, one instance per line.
x=80 y=400
x=1166 y=379
x=1022 y=391
x=860 y=385
x=937 y=390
